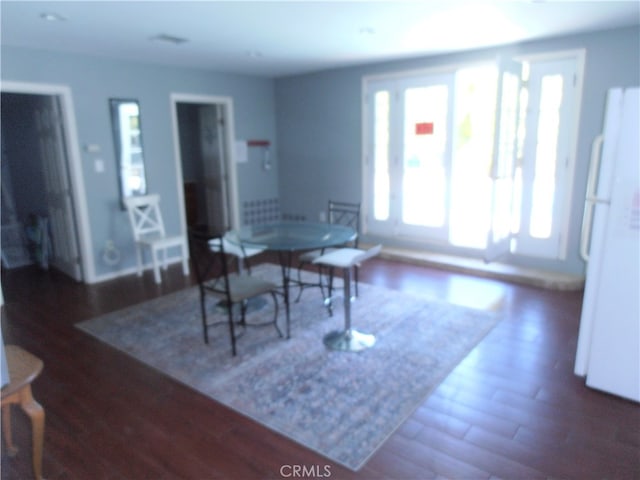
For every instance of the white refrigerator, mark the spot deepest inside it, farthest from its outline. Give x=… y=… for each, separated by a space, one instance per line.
x=608 y=352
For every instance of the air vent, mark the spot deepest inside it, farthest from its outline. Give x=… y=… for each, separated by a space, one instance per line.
x=163 y=37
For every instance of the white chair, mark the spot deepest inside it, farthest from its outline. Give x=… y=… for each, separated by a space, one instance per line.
x=148 y=232
x=347 y=259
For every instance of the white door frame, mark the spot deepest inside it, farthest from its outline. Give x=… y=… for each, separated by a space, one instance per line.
x=226 y=103
x=78 y=195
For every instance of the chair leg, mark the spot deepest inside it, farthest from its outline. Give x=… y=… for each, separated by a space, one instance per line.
x=139 y=260
x=185 y=259
x=156 y=266
x=165 y=264
x=35 y=412
x=300 y=286
x=232 y=332
x=275 y=314
x=6 y=430
x=243 y=313
x=320 y=281
x=329 y=300
x=203 y=311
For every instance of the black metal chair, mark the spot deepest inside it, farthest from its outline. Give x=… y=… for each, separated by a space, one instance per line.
x=343 y=213
x=231 y=290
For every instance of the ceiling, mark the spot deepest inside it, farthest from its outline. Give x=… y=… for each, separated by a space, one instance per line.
x=279 y=38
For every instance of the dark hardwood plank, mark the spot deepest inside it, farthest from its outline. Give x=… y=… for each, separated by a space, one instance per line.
x=511 y=409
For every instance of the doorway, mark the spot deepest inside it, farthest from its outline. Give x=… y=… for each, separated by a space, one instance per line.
x=204 y=152
x=39 y=219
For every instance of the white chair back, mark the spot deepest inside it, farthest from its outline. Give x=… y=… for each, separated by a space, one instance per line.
x=145 y=216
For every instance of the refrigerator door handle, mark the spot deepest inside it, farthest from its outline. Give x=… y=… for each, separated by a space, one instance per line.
x=591 y=200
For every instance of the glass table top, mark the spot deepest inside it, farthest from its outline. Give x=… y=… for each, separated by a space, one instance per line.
x=292 y=235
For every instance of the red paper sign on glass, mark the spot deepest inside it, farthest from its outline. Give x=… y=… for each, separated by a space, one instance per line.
x=424 y=128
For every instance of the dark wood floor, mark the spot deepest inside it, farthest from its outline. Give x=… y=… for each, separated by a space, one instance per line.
x=512 y=409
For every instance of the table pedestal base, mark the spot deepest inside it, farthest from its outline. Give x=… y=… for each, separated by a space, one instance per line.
x=349 y=340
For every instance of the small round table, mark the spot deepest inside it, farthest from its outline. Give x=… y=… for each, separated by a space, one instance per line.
x=288 y=237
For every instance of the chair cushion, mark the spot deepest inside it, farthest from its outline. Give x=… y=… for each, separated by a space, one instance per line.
x=233 y=249
x=347 y=257
x=243 y=287
x=309 y=257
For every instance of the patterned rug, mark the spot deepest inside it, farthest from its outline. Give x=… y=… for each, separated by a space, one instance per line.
x=342 y=405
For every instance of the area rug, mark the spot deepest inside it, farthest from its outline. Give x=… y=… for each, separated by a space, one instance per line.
x=341 y=405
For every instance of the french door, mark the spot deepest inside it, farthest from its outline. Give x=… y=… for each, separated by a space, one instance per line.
x=433 y=170
x=470 y=156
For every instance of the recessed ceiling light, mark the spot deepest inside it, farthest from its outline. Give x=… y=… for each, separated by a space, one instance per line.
x=52 y=17
x=163 y=37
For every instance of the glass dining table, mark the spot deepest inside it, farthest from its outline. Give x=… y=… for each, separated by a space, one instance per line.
x=286 y=238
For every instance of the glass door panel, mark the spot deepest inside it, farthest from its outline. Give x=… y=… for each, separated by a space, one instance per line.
x=424 y=180
x=543 y=191
x=475 y=101
x=381 y=152
x=504 y=161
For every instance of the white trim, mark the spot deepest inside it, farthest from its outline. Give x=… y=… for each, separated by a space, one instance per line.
x=78 y=192
x=227 y=105
x=549 y=56
x=580 y=56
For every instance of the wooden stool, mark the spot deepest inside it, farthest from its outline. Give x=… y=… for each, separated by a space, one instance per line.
x=23 y=369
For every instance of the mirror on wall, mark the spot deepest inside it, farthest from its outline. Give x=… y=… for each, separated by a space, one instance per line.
x=127 y=134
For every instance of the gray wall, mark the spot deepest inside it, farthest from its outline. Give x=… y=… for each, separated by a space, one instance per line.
x=317 y=148
x=94 y=80
x=320 y=124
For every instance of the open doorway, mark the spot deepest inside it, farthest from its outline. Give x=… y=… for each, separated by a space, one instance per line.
x=204 y=151
x=40 y=221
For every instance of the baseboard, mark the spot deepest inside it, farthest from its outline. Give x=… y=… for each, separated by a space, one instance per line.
x=104 y=277
x=501 y=271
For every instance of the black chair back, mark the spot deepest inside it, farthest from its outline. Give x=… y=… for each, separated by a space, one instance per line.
x=345 y=213
x=209 y=265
